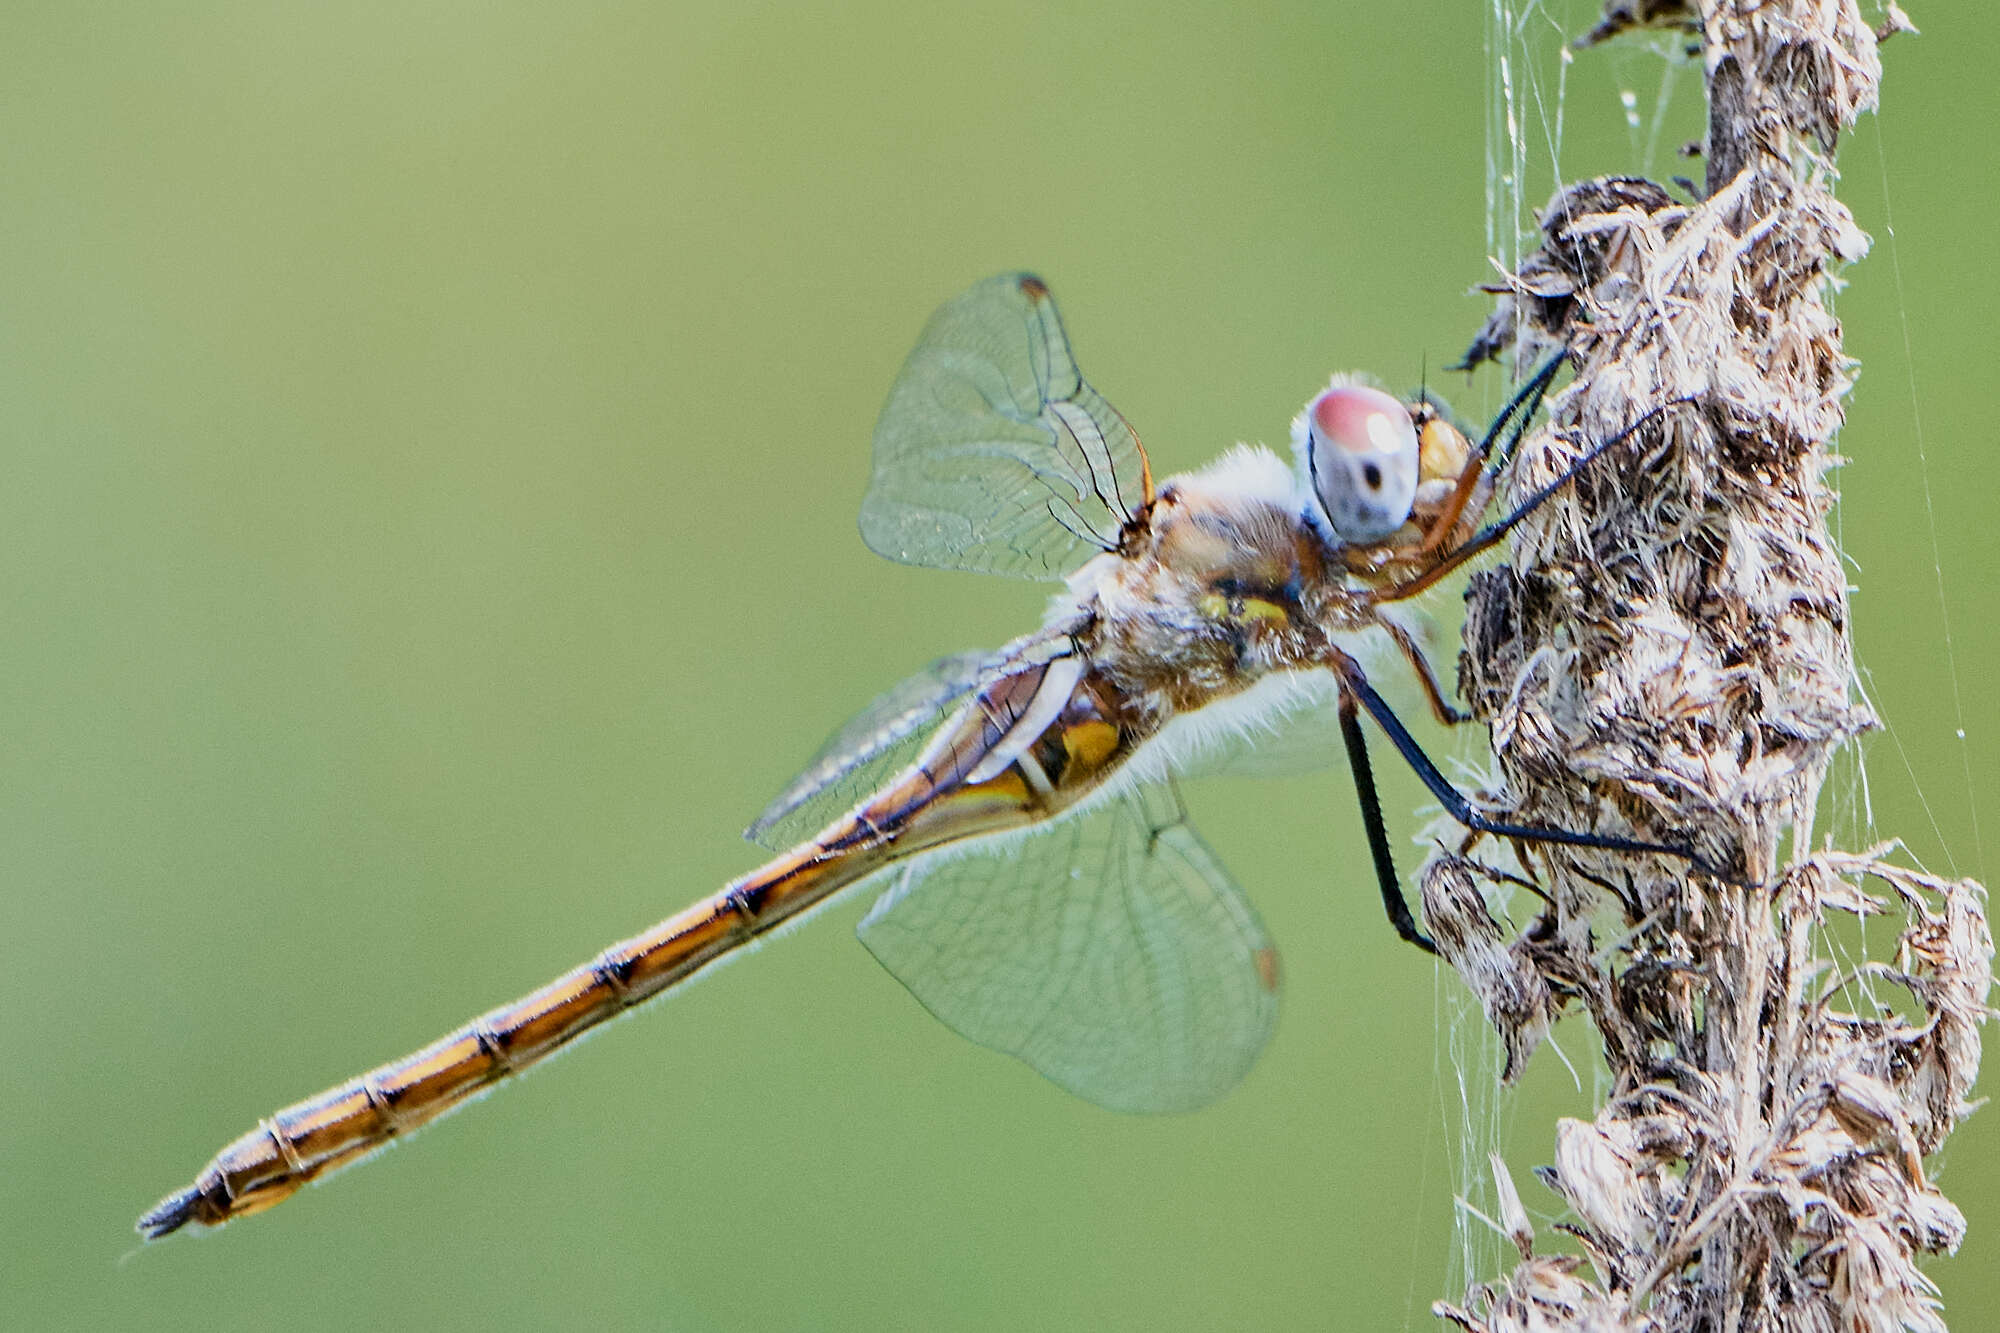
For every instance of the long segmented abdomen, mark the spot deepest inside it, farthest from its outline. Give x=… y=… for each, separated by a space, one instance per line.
x=929 y=804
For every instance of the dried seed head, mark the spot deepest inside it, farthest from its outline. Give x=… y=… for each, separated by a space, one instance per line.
x=1514 y=995
x=1667 y=656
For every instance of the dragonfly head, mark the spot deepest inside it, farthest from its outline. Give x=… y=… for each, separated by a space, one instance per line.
x=1359 y=451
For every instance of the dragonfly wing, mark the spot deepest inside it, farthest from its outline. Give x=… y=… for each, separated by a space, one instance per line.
x=876 y=743
x=993 y=454
x=1111 y=952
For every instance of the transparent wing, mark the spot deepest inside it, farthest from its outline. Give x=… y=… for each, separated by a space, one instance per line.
x=1112 y=953
x=879 y=741
x=992 y=453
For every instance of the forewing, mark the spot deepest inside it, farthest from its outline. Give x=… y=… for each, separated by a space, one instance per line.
x=992 y=453
x=1111 y=952
x=877 y=742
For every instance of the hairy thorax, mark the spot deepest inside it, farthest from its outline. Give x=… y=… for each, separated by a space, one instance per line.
x=1228 y=588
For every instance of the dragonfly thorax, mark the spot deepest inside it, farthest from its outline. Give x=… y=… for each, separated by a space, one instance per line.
x=1230 y=585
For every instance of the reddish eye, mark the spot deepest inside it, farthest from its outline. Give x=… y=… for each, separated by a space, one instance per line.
x=1363 y=420
x=1362 y=454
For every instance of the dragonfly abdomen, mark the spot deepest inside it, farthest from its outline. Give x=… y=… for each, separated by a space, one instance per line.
x=928 y=805
x=346 y=1123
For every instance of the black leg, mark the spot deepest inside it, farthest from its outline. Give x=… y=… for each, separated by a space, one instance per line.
x=1519 y=411
x=1484 y=464
x=1378 y=833
x=1489 y=536
x=1355 y=686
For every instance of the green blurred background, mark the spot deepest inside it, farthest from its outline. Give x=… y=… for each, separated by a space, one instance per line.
x=430 y=440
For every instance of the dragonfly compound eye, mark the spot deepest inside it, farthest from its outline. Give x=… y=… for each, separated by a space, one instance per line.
x=1361 y=452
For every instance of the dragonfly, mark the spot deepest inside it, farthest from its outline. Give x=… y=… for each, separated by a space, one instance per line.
x=1045 y=894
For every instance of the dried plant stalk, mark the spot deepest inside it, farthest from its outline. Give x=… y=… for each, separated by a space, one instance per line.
x=1667 y=657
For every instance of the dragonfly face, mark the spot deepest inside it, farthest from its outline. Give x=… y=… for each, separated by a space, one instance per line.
x=1045 y=895
x=1360 y=450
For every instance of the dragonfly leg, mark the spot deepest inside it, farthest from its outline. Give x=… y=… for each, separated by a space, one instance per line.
x=1413 y=653
x=1489 y=536
x=1356 y=689
x=1519 y=411
x=1378 y=834
x=1484 y=462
